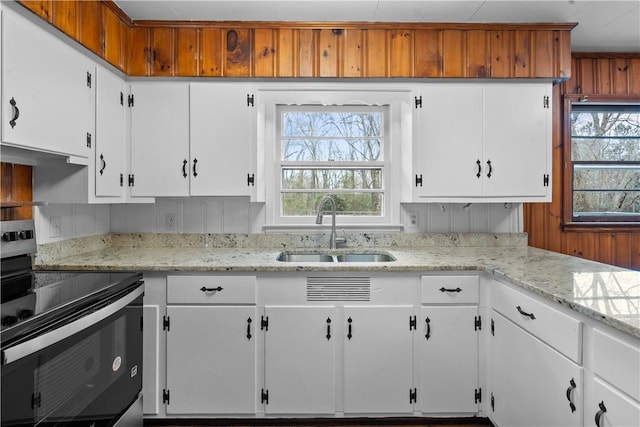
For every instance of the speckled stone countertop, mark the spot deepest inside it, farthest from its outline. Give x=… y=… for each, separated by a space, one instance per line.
x=606 y=293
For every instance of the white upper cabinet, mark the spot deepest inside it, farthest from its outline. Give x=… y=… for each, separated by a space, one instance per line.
x=483 y=142
x=110 y=158
x=48 y=91
x=222 y=126
x=159 y=139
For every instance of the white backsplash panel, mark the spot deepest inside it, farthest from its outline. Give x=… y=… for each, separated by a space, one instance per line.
x=238 y=215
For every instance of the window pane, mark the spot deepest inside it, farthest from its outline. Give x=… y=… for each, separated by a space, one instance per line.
x=354 y=204
x=605 y=123
x=606 y=149
x=603 y=177
x=331 y=179
x=606 y=203
x=326 y=150
x=331 y=124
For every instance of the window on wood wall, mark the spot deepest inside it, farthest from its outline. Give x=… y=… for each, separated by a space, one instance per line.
x=603 y=167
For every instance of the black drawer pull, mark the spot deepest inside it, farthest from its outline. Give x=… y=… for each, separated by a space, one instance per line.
x=572 y=386
x=349 y=334
x=428 y=334
x=328 y=328
x=249 y=328
x=204 y=289
x=16 y=113
x=524 y=313
x=443 y=289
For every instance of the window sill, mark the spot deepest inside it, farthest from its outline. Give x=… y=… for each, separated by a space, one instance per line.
x=275 y=228
x=601 y=227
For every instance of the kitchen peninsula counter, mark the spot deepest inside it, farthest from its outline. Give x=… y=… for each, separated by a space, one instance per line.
x=606 y=293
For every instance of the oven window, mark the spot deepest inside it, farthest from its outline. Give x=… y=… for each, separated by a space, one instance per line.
x=93 y=375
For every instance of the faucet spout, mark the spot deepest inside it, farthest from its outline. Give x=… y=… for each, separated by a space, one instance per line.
x=333 y=240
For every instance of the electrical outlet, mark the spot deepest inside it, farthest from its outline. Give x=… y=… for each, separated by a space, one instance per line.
x=55 y=226
x=170 y=222
x=413 y=220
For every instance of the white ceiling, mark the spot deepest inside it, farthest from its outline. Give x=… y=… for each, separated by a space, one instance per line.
x=603 y=26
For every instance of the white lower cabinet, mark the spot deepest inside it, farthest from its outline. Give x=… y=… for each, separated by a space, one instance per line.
x=300 y=360
x=378 y=359
x=609 y=407
x=531 y=383
x=449 y=360
x=211 y=360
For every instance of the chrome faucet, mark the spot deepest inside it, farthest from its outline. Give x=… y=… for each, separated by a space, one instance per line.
x=333 y=240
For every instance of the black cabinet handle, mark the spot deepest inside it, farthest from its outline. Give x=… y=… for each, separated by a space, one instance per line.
x=428 y=334
x=184 y=168
x=328 y=328
x=443 y=289
x=490 y=169
x=600 y=413
x=349 y=335
x=195 y=172
x=572 y=386
x=524 y=313
x=16 y=113
x=249 y=328
x=204 y=289
x=104 y=164
x=479 y=173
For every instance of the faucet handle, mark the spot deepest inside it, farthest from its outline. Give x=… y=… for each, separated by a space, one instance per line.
x=342 y=240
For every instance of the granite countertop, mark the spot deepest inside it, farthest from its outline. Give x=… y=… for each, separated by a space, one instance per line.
x=606 y=293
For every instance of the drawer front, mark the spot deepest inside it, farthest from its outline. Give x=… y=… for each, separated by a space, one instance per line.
x=560 y=331
x=624 y=373
x=211 y=289
x=450 y=289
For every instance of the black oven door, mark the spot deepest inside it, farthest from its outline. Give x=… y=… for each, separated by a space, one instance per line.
x=85 y=371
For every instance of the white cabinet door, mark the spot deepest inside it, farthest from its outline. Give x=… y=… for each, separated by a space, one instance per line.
x=111 y=159
x=449 y=359
x=378 y=359
x=531 y=384
x=150 y=363
x=450 y=141
x=222 y=127
x=160 y=139
x=300 y=360
x=48 y=93
x=516 y=140
x=609 y=407
x=211 y=359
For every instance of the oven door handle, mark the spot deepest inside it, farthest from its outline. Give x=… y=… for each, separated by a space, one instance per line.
x=24 y=349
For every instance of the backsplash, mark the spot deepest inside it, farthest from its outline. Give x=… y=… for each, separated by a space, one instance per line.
x=218 y=215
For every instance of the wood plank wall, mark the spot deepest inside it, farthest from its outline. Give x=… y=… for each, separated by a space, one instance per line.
x=592 y=74
x=319 y=50
x=16 y=186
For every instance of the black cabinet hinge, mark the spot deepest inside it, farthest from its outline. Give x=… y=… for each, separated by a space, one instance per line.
x=493 y=328
x=545 y=180
x=264 y=323
x=121 y=180
x=89 y=139
x=131 y=180
x=264 y=396
x=89 y=80
x=130 y=100
x=418 y=101
x=478 y=395
x=165 y=396
x=493 y=403
x=413 y=395
x=166 y=323
x=251 y=180
x=121 y=98
x=413 y=323
x=419 y=180
x=477 y=322
x=250 y=99
x=545 y=102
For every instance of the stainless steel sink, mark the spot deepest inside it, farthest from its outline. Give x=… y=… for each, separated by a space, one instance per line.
x=304 y=257
x=338 y=257
x=365 y=257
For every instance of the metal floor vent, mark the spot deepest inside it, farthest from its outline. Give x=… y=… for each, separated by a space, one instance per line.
x=338 y=288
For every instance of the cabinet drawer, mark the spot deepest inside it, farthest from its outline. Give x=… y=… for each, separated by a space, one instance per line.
x=624 y=373
x=560 y=331
x=450 y=289
x=211 y=289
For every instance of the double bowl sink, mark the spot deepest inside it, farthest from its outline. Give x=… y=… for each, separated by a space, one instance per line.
x=335 y=257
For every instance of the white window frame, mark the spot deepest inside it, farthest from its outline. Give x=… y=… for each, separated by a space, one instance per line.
x=398 y=126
